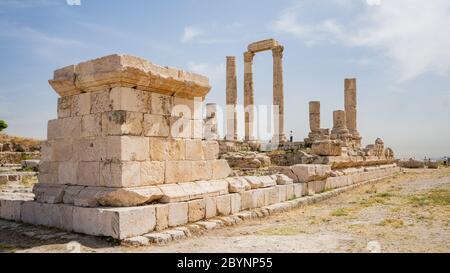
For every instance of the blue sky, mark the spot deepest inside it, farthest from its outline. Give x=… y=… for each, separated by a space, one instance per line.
x=398 y=50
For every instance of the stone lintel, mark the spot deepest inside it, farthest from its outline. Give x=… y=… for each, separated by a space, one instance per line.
x=127 y=71
x=262 y=45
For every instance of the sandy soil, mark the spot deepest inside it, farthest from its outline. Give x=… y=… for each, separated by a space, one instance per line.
x=408 y=213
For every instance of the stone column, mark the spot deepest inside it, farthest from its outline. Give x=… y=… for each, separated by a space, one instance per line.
x=339 y=120
x=314 y=116
x=350 y=106
x=278 y=98
x=231 y=99
x=248 y=95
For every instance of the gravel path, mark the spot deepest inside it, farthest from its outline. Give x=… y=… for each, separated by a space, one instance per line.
x=408 y=213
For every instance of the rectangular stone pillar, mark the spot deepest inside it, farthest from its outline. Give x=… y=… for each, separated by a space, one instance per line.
x=314 y=116
x=278 y=96
x=350 y=105
x=249 y=101
x=231 y=99
x=125 y=125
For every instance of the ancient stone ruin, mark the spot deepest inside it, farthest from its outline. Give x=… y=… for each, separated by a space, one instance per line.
x=132 y=156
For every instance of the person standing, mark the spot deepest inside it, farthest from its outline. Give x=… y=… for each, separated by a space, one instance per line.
x=291 y=136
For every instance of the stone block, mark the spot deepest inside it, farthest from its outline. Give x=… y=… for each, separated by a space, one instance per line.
x=81 y=104
x=173 y=193
x=180 y=127
x=10 y=209
x=298 y=191
x=327 y=148
x=46 y=150
x=223 y=204
x=212 y=188
x=178 y=171
x=64 y=128
x=311 y=187
x=259 y=198
x=91 y=125
x=120 y=123
x=290 y=192
x=88 y=173
x=235 y=203
x=210 y=149
x=101 y=102
x=128 y=197
x=50 y=215
x=267 y=181
x=283 y=179
x=130 y=99
x=128 y=148
x=70 y=192
x=62 y=150
x=254 y=181
x=48 y=193
x=210 y=207
x=164 y=149
x=194 y=149
x=282 y=193
x=220 y=186
x=90 y=149
x=197 y=210
x=156 y=125
x=152 y=173
x=247 y=200
x=119 y=223
x=162 y=216
x=221 y=169
x=161 y=104
x=201 y=170
x=192 y=190
x=237 y=184
x=121 y=174
x=65 y=106
x=89 y=196
x=273 y=195
x=178 y=214
x=67 y=172
x=287 y=171
x=304 y=172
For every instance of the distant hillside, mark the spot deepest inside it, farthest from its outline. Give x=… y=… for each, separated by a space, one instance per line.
x=18 y=144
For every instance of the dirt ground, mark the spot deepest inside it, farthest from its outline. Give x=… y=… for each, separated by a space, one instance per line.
x=408 y=213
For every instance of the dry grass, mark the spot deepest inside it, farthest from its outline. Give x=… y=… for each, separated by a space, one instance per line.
x=435 y=197
x=27 y=142
x=395 y=223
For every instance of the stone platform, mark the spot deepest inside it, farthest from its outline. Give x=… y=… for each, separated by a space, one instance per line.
x=239 y=194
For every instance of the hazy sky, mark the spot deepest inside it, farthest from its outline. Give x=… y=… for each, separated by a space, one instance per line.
x=399 y=50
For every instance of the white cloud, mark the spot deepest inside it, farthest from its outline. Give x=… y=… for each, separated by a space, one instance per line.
x=413 y=34
x=208 y=34
x=190 y=33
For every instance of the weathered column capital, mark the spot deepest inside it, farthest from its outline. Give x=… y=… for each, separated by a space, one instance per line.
x=248 y=56
x=277 y=52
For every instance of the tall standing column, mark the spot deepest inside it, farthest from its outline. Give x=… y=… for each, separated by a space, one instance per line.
x=350 y=106
x=314 y=116
x=231 y=99
x=278 y=98
x=248 y=95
